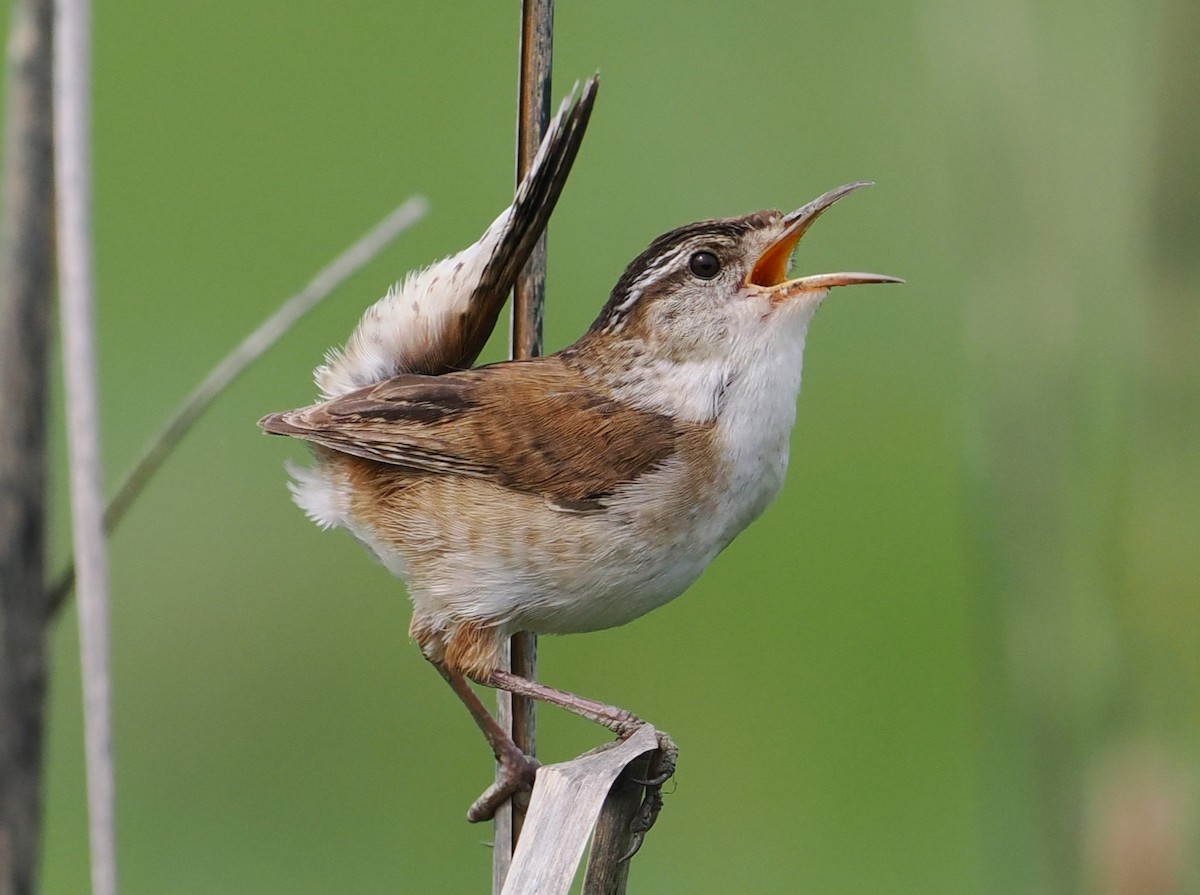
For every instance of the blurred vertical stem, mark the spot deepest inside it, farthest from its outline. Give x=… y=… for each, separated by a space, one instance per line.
x=533 y=115
x=1166 y=562
x=1158 y=851
x=26 y=292
x=1043 y=216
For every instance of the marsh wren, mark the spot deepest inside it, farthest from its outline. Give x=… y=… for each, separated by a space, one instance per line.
x=571 y=492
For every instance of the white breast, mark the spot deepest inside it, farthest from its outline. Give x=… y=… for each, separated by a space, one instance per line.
x=667 y=530
x=755 y=429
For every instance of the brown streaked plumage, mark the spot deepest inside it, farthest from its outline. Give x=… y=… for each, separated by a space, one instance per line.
x=572 y=492
x=533 y=526
x=537 y=426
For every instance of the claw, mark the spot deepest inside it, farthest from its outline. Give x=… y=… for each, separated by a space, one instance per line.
x=662 y=768
x=643 y=820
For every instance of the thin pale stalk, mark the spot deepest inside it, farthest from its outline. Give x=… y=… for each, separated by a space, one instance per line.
x=73 y=148
x=254 y=346
x=516 y=714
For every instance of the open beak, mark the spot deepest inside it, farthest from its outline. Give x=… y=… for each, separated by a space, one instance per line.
x=770 y=271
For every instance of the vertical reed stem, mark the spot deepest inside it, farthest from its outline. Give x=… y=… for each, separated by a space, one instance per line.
x=517 y=714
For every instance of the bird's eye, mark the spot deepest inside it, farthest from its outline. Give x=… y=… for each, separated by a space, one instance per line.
x=705 y=265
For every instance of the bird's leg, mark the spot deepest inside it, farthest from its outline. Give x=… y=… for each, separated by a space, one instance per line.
x=515 y=770
x=620 y=721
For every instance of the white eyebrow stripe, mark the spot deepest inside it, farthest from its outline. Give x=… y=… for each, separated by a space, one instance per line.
x=659 y=270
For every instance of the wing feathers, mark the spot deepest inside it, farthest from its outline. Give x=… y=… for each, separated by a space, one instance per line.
x=532 y=426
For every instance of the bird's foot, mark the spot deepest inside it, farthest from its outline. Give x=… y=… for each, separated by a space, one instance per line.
x=660 y=770
x=514 y=774
x=662 y=762
x=621 y=722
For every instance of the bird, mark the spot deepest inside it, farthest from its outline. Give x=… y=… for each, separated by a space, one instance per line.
x=575 y=491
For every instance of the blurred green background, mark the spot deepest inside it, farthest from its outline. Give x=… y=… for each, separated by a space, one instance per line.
x=961 y=653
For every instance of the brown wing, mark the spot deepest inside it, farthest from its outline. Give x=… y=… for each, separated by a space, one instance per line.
x=533 y=426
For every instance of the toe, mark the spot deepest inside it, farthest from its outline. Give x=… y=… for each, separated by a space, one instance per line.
x=662 y=764
x=512 y=777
